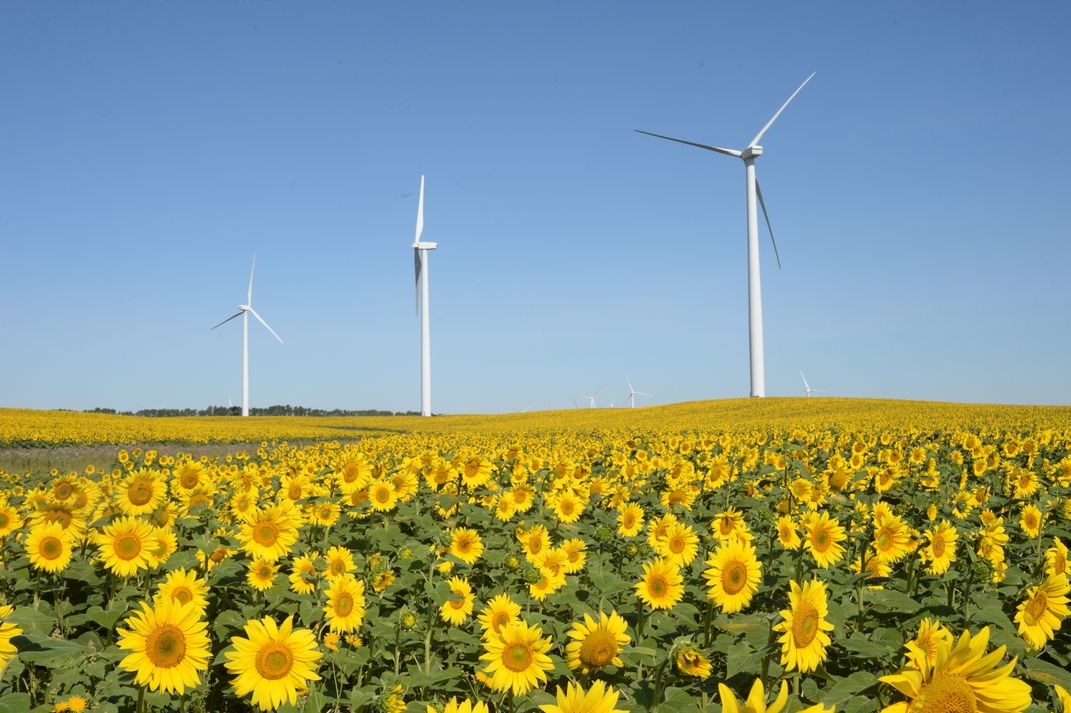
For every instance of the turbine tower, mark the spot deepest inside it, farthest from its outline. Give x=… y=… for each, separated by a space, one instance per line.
x=807 y=387
x=244 y=311
x=420 y=265
x=748 y=154
x=632 y=394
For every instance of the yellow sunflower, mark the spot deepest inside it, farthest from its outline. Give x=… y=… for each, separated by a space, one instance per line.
x=382 y=496
x=680 y=545
x=940 y=548
x=804 y=639
x=1031 y=521
x=927 y=641
x=125 y=545
x=261 y=574
x=141 y=492
x=48 y=547
x=756 y=700
x=630 y=520
x=345 y=605
x=462 y=706
x=1056 y=560
x=1042 y=612
x=963 y=678
x=892 y=538
x=596 y=643
x=567 y=508
x=574 y=554
x=168 y=646
x=303 y=573
x=733 y=575
x=184 y=587
x=274 y=663
x=787 y=535
x=517 y=659
x=7 y=633
x=459 y=605
x=9 y=519
x=270 y=533
x=661 y=586
x=339 y=562
x=823 y=537
x=574 y=699
x=690 y=661
x=534 y=540
x=501 y=610
x=466 y=545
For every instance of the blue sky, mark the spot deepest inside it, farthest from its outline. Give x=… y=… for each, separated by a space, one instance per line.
x=917 y=187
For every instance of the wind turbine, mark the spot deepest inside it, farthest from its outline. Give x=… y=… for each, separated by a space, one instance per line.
x=748 y=155
x=244 y=311
x=632 y=394
x=807 y=387
x=420 y=265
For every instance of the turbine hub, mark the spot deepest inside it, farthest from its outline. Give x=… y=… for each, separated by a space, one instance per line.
x=751 y=152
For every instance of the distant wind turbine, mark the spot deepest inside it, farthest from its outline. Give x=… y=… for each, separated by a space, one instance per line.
x=420 y=265
x=244 y=311
x=748 y=154
x=807 y=387
x=632 y=394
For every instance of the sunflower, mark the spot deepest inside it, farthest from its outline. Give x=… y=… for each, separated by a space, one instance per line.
x=339 y=562
x=7 y=633
x=162 y=544
x=597 y=643
x=382 y=496
x=274 y=663
x=517 y=659
x=963 y=679
x=9 y=519
x=462 y=706
x=457 y=608
x=270 y=533
x=1056 y=561
x=658 y=530
x=345 y=604
x=733 y=575
x=124 y=545
x=261 y=574
x=501 y=610
x=548 y=584
x=940 y=549
x=567 y=508
x=552 y=562
x=690 y=661
x=574 y=554
x=630 y=520
x=680 y=546
x=927 y=641
x=661 y=586
x=184 y=587
x=168 y=646
x=823 y=537
x=1042 y=612
x=466 y=545
x=141 y=492
x=303 y=573
x=49 y=547
x=786 y=533
x=892 y=538
x=574 y=699
x=534 y=540
x=804 y=626
x=756 y=700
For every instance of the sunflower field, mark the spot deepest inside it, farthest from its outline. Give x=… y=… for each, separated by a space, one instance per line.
x=861 y=564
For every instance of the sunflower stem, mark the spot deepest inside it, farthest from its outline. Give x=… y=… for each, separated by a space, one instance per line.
x=141 y=700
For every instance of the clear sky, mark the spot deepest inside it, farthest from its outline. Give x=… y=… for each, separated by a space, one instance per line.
x=918 y=188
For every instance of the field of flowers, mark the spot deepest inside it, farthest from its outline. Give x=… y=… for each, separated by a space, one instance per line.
x=749 y=556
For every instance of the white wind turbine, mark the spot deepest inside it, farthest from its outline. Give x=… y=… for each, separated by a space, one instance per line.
x=807 y=387
x=748 y=154
x=632 y=394
x=244 y=311
x=420 y=265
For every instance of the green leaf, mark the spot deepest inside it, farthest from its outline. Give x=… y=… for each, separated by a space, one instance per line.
x=864 y=647
x=1044 y=672
x=890 y=600
x=14 y=703
x=48 y=652
x=839 y=692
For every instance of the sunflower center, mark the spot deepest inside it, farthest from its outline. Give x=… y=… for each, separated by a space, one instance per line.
x=182 y=595
x=734 y=577
x=657 y=586
x=266 y=533
x=948 y=694
x=189 y=479
x=820 y=540
x=274 y=660
x=139 y=493
x=338 y=567
x=50 y=547
x=344 y=605
x=884 y=540
x=676 y=545
x=517 y=657
x=1035 y=609
x=294 y=491
x=458 y=603
x=62 y=491
x=500 y=619
x=165 y=646
x=628 y=521
x=598 y=649
x=804 y=624
x=382 y=495
x=127 y=546
x=567 y=507
x=535 y=545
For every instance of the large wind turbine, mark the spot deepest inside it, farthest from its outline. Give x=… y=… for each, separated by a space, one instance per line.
x=632 y=394
x=748 y=154
x=420 y=265
x=807 y=387
x=244 y=311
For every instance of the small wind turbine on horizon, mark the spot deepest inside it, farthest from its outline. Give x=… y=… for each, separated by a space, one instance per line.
x=632 y=394
x=420 y=265
x=807 y=387
x=748 y=155
x=244 y=311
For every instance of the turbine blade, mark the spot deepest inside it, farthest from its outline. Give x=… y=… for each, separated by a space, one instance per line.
x=249 y=295
x=227 y=320
x=769 y=227
x=758 y=137
x=261 y=320
x=416 y=276
x=420 y=213
x=727 y=152
x=805 y=384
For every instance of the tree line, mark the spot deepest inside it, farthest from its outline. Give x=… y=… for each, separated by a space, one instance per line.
x=277 y=410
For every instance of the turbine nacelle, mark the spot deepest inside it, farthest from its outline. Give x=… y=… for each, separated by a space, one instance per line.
x=751 y=152
x=425 y=246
